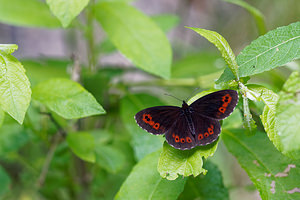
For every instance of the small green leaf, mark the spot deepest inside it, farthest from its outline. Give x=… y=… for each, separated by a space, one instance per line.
x=223 y=47
x=136 y=36
x=14 y=86
x=275 y=176
x=67 y=98
x=66 y=10
x=288 y=117
x=208 y=187
x=8 y=48
x=166 y=22
x=83 y=145
x=5 y=181
x=271 y=50
x=144 y=182
x=143 y=142
x=257 y=15
x=29 y=13
x=110 y=158
x=174 y=162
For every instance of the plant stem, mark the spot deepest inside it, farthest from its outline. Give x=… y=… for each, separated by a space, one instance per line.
x=90 y=37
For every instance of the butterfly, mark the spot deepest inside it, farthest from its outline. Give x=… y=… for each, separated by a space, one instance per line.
x=192 y=125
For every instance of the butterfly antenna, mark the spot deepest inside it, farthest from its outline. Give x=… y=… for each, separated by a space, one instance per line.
x=192 y=93
x=172 y=96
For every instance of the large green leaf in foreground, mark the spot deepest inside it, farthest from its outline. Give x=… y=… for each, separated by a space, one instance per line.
x=144 y=182
x=271 y=50
x=275 y=176
x=67 y=98
x=136 y=36
x=15 y=92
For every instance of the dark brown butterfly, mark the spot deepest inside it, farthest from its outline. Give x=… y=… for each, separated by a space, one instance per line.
x=191 y=125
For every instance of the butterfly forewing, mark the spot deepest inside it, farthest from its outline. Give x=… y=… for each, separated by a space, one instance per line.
x=217 y=105
x=157 y=120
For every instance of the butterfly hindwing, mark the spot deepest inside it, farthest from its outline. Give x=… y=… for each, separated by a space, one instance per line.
x=157 y=120
x=216 y=105
x=207 y=130
x=179 y=135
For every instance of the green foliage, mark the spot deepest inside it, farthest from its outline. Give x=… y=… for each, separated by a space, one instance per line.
x=83 y=145
x=67 y=98
x=5 y=181
x=174 y=162
x=29 y=13
x=16 y=93
x=267 y=52
x=209 y=186
x=144 y=182
x=136 y=36
x=66 y=11
x=274 y=175
x=222 y=46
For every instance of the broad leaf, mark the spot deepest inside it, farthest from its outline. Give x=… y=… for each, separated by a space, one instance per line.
x=208 y=187
x=174 y=162
x=15 y=89
x=274 y=175
x=66 y=10
x=110 y=158
x=5 y=181
x=288 y=117
x=166 y=22
x=143 y=142
x=2 y=116
x=271 y=50
x=223 y=47
x=144 y=182
x=8 y=48
x=67 y=98
x=29 y=13
x=136 y=36
x=256 y=14
x=83 y=145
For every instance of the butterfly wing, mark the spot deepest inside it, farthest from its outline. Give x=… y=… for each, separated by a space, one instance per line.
x=179 y=135
x=157 y=120
x=216 y=105
x=207 y=130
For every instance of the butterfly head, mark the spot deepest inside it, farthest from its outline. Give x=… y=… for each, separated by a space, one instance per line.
x=184 y=105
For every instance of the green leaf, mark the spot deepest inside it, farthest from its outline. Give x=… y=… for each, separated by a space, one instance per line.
x=67 y=98
x=208 y=187
x=275 y=176
x=8 y=48
x=14 y=86
x=143 y=142
x=288 y=117
x=136 y=36
x=223 y=47
x=144 y=182
x=66 y=10
x=256 y=14
x=174 y=162
x=271 y=50
x=110 y=158
x=198 y=65
x=5 y=181
x=166 y=22
x=83 y=145
x=29 y=13
x=2 y=116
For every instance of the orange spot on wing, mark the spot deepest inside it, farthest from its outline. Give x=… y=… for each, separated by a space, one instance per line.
x=147 y=118
x=206 y=134
x=222 y=109
x=176 y=138
x=182 y=140
x=151 y=123
x=226 y=98
x=156 y=126
x=173 y=135
x=210 y=130
x=225 y=104
x=200 y=136
x=188 y=139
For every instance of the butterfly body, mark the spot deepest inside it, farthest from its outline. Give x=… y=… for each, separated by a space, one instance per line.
x=189 y=125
